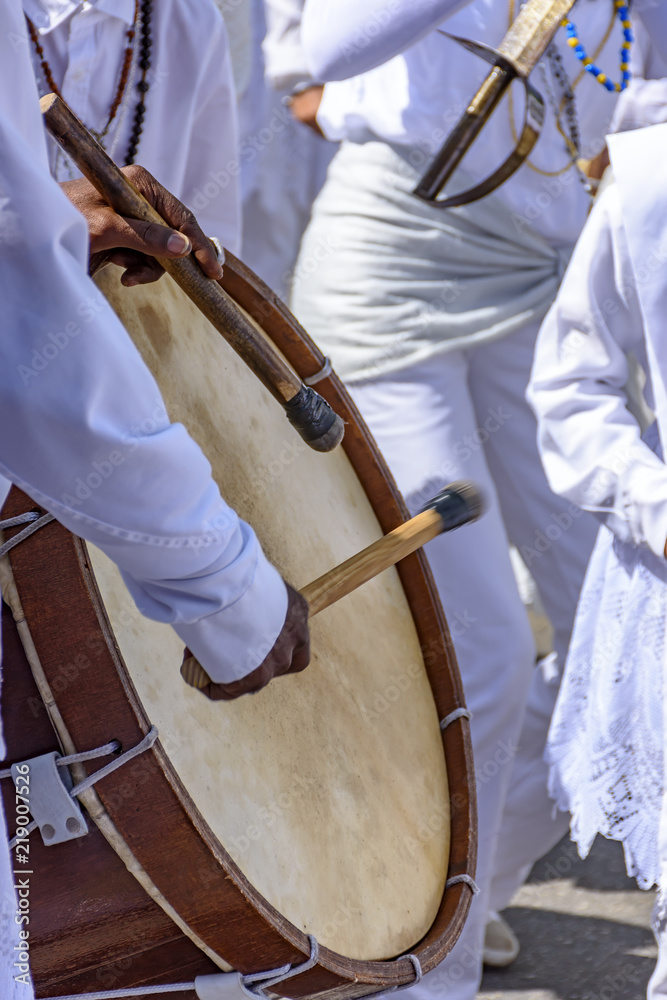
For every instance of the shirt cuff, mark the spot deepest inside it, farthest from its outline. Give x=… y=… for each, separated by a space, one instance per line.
x=285 y=65
x=648 y=518
x=231 y=643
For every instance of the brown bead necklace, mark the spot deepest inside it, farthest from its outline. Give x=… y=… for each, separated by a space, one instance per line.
x=142 y=12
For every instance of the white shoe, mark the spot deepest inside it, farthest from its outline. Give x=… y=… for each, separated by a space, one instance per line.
x=501 y=946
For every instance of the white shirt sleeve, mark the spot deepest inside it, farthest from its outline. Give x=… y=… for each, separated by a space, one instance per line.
x=590 y=443
x=642 y=103
x=84 y=431
x=343 y=38
x=284 y=58
x=653 y=15
x=211 y=185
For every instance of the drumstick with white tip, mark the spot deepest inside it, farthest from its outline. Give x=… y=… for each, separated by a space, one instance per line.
x=456 y=505
x=319 y=426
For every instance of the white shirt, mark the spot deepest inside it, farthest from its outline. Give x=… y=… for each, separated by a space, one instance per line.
x=190 y=137
x=284 y=57
x=416 y=97
x=83 y=428
x=590 y=442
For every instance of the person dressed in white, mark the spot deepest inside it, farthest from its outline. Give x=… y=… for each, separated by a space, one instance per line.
x=185 y=556
x=283 y=164
x=607 y=740
x=431 y=317
x=164 y=70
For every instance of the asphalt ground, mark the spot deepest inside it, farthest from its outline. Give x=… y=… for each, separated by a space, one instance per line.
x=584 y=928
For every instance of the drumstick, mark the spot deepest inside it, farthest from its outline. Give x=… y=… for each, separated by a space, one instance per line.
x=306 y=410
x=456 y=505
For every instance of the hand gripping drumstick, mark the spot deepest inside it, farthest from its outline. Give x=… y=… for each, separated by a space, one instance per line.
x=306 y=410
x=456 y=505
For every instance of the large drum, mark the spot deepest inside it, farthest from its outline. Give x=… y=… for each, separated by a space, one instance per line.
x=332 y=804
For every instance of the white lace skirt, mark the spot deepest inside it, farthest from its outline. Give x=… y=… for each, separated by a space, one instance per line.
x=606 y=745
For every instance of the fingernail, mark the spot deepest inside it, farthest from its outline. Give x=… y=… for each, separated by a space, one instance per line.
x=219 y=273
x=178 y=243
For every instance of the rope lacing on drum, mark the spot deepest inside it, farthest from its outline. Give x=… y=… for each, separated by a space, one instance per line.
x=32 y=518
x=324 y=372
x=466 y=880
x=254 y=984
x=78 y=758
x=122 y=994
x=417 y=966
x=458 y=713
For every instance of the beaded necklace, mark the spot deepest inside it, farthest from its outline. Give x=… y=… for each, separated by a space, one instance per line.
x=566 y=105
x=623 y=14
x=143 y=85
x=142 y=18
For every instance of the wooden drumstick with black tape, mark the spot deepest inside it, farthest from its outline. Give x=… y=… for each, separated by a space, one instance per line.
x=306 y=410
x=456 y=505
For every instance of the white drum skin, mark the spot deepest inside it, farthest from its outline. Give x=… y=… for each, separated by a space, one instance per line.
x=329 y=788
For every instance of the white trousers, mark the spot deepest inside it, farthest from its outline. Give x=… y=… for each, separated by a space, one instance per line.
x=657 y=987
x=463 y=415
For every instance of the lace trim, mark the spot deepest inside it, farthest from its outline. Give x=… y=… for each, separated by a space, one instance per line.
x=605 y=749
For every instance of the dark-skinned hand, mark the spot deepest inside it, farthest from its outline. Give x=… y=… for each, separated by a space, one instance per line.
x=290 y=654
x=134 y=245
x=305 y=105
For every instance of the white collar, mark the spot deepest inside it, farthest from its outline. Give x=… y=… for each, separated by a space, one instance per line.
x=48 y=14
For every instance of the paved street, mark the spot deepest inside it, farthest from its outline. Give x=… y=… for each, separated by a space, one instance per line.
x=584 y=928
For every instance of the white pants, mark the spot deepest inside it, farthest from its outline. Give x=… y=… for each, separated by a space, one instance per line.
x=657 y=987
x=380 y=277
x=463 y=415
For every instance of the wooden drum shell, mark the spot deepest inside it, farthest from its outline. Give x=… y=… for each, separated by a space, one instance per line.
x=80 y=659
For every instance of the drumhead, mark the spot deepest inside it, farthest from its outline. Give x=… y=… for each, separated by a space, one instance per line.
x=321 y=786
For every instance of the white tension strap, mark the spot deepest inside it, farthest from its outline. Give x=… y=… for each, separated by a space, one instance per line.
x=228 y=985
x=458 y=713
x=34 y=521
x=219 y=986
x=44 y=785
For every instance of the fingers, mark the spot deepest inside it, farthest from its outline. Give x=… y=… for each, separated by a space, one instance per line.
x=296 y=632
x=300 y=658
x=204 y=251
x=290 y=654
x=181 y=219
x=159 y=241
x=109 y=231
x=251 y=684
x=142 y=274
x=144 y=237
x=139 y=269
x=305 y=105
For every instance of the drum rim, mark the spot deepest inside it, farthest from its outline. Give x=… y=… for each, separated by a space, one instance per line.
x=280 y=939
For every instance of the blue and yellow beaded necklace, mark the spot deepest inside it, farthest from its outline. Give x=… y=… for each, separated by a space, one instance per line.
x=573 y=41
